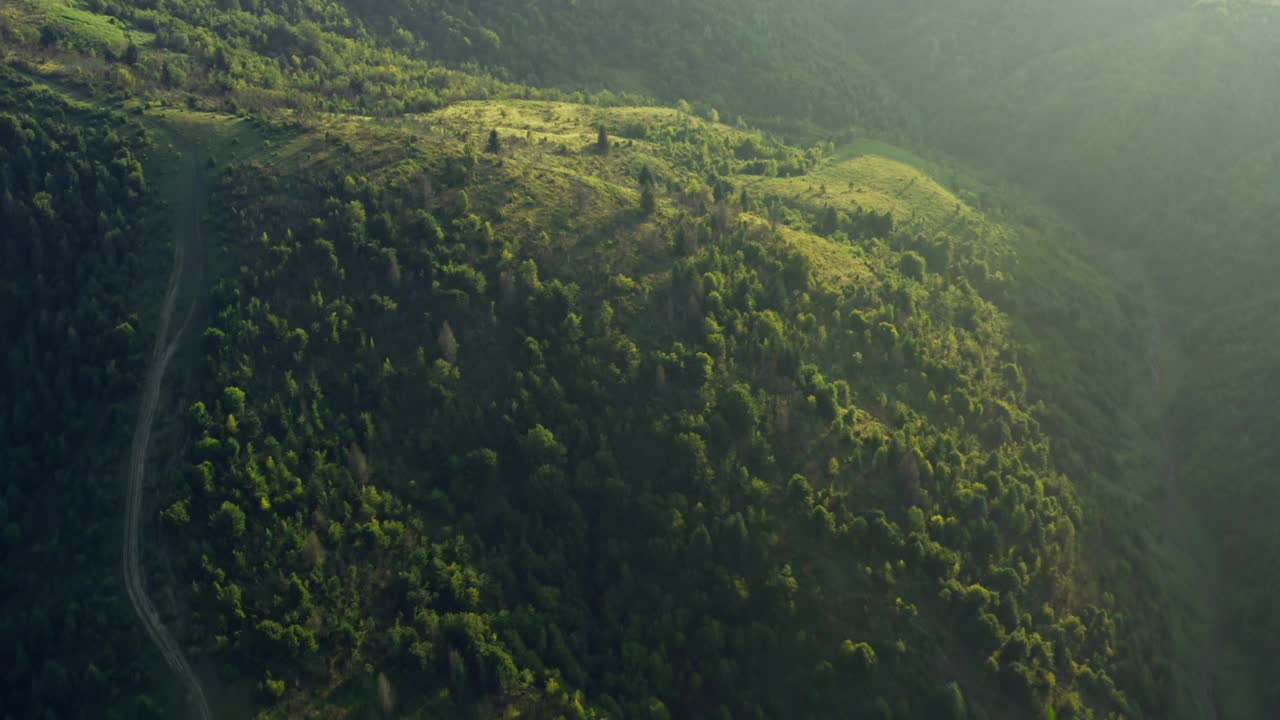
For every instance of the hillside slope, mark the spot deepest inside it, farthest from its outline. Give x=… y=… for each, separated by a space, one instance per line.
x=486 y=431
x=516 y=401
x=75 y=206
x=1150 y=124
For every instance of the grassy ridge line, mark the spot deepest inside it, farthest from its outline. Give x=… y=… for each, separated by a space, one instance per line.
x=870 y=175
x=64 y=21
x=865 y=176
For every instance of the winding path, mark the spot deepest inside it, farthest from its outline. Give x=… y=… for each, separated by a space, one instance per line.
x=186 y=238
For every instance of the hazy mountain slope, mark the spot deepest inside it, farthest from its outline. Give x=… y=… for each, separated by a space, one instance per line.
x=1110 y=113
x=766 y=60
x=783 y=64
x=1155 y=130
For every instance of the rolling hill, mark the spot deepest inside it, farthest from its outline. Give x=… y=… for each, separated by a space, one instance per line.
x=511 y=391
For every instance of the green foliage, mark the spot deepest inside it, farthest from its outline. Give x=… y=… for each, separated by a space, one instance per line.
x=912 y=265
x=763 y=60
x=72 y=205
x=472 y=426
x=648 y=199
x=509 y=481
x=1178 y=193
x=131 y=53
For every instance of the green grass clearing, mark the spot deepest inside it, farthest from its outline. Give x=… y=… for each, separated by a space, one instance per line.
x=882 y=184
x=80 y=28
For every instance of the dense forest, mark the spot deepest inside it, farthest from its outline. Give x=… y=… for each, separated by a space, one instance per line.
x=603 y=359
x=74 y=193
x=645 y=497
x=1174 y=162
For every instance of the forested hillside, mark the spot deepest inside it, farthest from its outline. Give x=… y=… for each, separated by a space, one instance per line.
x=754 y=58
x=738 y=470
x=536 y=379
x=71 y=213
x=786 y=68
x=1149 y=123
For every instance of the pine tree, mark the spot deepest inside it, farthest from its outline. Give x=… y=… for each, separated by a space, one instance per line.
x=830 y=221
x=648 y=201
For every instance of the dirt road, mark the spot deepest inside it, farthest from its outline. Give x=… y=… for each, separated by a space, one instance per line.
x=186 y=240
